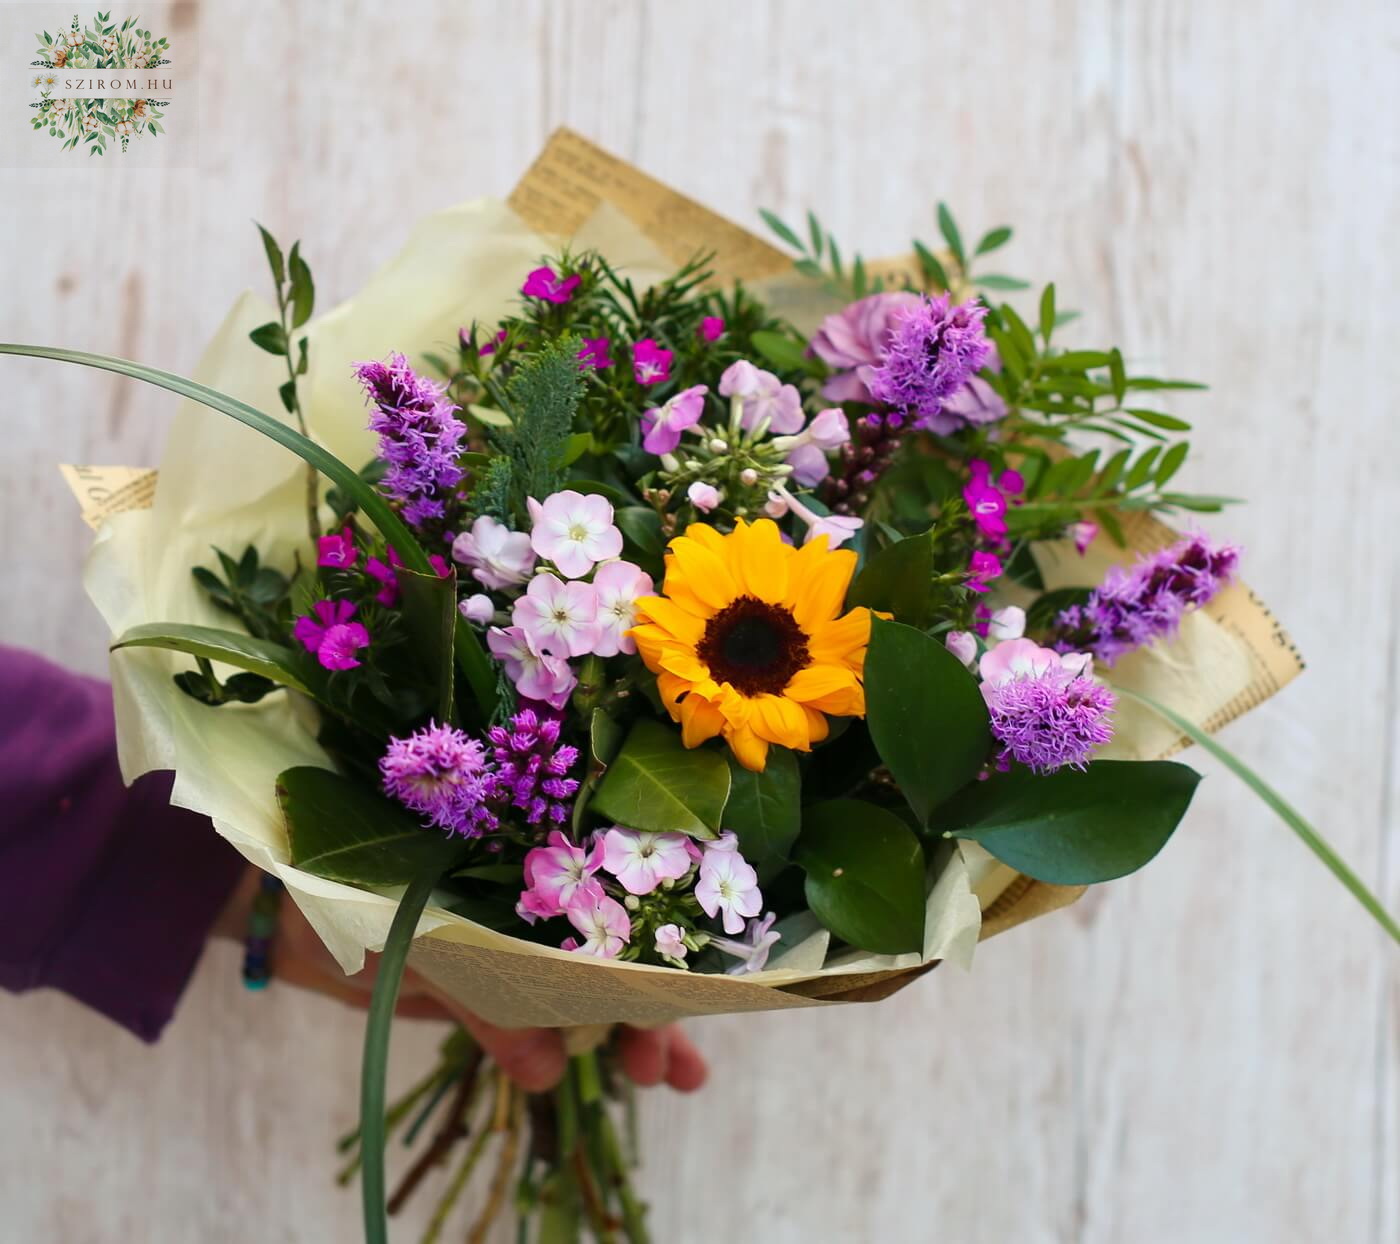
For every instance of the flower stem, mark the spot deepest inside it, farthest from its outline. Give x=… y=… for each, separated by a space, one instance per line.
x=1313 y=840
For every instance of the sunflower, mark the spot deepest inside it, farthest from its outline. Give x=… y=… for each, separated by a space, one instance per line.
x=746 y=641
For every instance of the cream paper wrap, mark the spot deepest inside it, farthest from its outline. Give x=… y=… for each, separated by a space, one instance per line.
x=224 y=485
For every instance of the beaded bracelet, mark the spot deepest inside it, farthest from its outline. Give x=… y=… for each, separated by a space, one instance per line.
x=262 y=924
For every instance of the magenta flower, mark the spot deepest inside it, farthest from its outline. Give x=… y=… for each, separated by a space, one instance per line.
x=388 y=594
x=490 y=347
x=983 y=568
x=617 y=587
x=711 y=328
x=651 y=364
x=443 y=774
x=561 y=873
x=985 y=502
x=559 y=618
x=337 y=551
x=641 y=860
x=934 y=349
x=498 y=556
x=536 y=675
x=728 y=884
x=663 y=426
x=550 y=286
x=765 y=397
x=330 y=634
x=604 y=924
x=574 y=530
x=855 y=340
x=594 y=353
x=532 y=766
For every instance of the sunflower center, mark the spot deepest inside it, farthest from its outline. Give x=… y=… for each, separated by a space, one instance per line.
x=754 y=646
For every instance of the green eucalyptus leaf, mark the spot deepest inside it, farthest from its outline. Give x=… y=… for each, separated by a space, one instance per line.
x=865 y=875
x=656 y=783
x=925 y=714
x=765 y=809
x=1074 y=827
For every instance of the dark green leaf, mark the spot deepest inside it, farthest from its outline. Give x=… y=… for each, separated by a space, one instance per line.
x=641 y=534
x=257 y=656
x=1141 y=470
x=656 y=783
x=1171 y=463
x=993 y=239
x=949 y=229
x=1076 y=360
x=765 y=809
x=274 y=257
x=303 y=289
x=1047 y=312
x=1071 y=827
x=899 y=580
x=269 y=337
x=1020 y=334
x=865 y=875
x=931 y=266
x=430 y=612
x=925 y=713
x=287 y=391
x=1117 y=376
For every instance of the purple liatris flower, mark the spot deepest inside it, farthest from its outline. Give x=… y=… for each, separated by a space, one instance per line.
x=1046 y=709
x=532 y=767
x=443 y=773
x=419 y=437
x=934 y=349
x=1136 y=605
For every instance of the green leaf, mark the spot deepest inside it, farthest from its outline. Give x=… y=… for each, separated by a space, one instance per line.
x=641 y=534
x=269 y=337
x=925 y=714
x=430 y=612
x=865 y=875
x=1020 y=334
x=784 y=352
x=765 y=809
x=274 y=257
x=1076 y=360
x=993 y=239
x=1074 y=827
x=993 y=280
x=949 y=229
x=257 y=656
x=287 y=391
x=343 y=830
x=1171 y=463
x=656 y=783
x=1117 y=376
x=1141 y=470
x=303 y=288
x=899 y=580
x=814 y=231
x=1047 y=312
x=370 y=502
x=781 y=229
x=930 y=266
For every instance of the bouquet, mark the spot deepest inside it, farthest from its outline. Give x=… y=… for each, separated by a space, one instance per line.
x=706 y=629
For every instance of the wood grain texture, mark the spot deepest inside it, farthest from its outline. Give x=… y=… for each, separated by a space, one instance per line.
x=1206 y=1052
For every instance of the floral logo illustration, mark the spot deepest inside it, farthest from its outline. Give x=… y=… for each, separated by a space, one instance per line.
x=77 y=59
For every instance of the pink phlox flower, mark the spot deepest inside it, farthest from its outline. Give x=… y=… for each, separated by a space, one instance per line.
x=1024 y=658
x=477 y=608
x=651 y=363
x=765 y=397
x=550 y=286
x=560 y=618
x=704 y=497
x=642 y=860
x=536 y=675
x=728 y=884
x=604 y=923
x=1008 y=623
x=498 y=556
x=337 y=551
x=663 y=425
x=711 y=328
x=963 y=645
x=670 y=942
x=752 y=952
x=574 y=531
x=560 y=873
x=329 y=633
x=617 y=587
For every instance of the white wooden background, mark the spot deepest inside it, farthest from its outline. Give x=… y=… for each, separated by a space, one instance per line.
x=1205 y=1052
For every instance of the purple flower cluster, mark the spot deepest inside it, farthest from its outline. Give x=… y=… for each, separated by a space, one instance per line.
x=443 y=773
x=934 y=349
x=1139 y=604
x=1049 y=721
x=532 y=767
x=419 y=437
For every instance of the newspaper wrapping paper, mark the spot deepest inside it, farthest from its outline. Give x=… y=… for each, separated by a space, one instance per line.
x=459 y=265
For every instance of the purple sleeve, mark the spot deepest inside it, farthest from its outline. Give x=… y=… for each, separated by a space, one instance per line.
x=107 y=892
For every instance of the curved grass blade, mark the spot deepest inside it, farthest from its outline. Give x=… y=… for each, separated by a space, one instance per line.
x=376 y=1056
x=1314 y=841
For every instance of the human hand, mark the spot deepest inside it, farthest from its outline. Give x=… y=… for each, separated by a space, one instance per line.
x=533 y=1057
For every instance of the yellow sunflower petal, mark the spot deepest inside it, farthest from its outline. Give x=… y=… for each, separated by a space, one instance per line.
x=828 y=688
x=704 y=534
x=672 y=617
x=818 y=580
x=817 y=726
x=677 y=587
x=781 y=721
x=761 y=560
x=700 y=720
x=671 y=688
x=749 y=750
x=705 y=573
x=843 y=639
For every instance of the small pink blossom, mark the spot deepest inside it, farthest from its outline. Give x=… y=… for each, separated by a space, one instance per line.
x=728 y=884
x=617 y=587
x=1008 y=623
x=560 y=618
x=498 y=556
x=331 y=635
x=478 y=609
x=641 y=860
x=829 y=429
x=1024 y=658
x=663 y=426
x=574 y=531
x=670 y=942
x=651 y=363
x=752 y=952
x=549 y=285
x=837 y=528
x=604 y=924
x=536 y=675
x=594 y=353
x=711 y=328
x=704 y=497
x=337 y=551
x=559 y=874
x=982 y=569
x=1083 y=534
x=963 y=645
x=765 y=397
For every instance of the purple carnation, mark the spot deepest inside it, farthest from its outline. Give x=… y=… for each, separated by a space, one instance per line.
x=1049 y=720
x=444 y=774
x=934 y=349
x=419 y=437
x=1134 y=606
x=532 y=767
